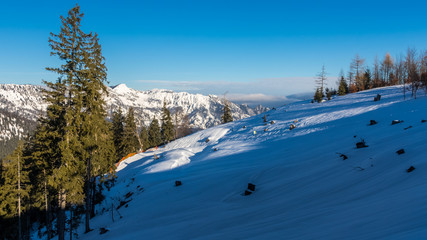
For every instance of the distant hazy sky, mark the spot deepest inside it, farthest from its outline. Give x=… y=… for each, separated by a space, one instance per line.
x=252 y=49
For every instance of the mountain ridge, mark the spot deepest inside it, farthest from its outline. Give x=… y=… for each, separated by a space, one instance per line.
x=21 y=106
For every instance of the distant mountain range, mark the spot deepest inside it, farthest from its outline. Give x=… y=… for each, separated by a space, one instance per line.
x=21 y=105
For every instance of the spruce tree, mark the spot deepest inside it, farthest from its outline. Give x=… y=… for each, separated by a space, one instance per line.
x=143 y=135
x=15 y=188
x=80 y=79
x=118 y=132
x=226 y=117
x=130 y=143
x=318 y=95
x=154 y=135
x=168 y=129
x=343 y=88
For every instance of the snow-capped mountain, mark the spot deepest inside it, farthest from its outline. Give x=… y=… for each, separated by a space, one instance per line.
x=21 y=105
x=311 y=182
x=204 y=111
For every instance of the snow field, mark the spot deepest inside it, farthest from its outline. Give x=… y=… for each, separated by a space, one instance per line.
x=304 y=189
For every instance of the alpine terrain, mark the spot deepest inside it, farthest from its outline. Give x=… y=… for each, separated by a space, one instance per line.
x=21 y=105
x=336 y=175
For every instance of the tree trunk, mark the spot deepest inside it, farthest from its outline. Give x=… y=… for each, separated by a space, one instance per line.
x=88 y=195
x=47 y=208
x=19 y=201
x=93 y=192
x=61 y=214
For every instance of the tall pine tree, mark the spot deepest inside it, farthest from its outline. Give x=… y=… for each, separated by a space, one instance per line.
x=118 y=132
x=130 y=143
x=15 y=188
x=168 y=129
x=154 y=135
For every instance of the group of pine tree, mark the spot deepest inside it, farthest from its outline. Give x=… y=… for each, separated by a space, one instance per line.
x=64 y=165
x=409 y=70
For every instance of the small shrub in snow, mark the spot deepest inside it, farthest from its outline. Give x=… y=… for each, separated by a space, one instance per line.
x=361 y=144
x=103 y=230
x=407 y=128
x=377 y=98
x=207 y=140
x=400 y=151
x=292 y=126
x=373 y=122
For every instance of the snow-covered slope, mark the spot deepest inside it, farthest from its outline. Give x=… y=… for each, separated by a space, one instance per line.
x=21 y=105
x=304 y=189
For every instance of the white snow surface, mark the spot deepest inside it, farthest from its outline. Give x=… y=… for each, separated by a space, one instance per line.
x=304 y=189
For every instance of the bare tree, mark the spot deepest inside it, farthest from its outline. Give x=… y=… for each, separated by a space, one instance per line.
x=386 y=69
x=412 y=67
x=321 y=79
x=376 y=74
x=357 y=68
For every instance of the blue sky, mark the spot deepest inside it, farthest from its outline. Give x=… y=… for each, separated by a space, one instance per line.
x=262 y=50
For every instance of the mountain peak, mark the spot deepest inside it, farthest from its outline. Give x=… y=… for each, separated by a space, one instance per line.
x=121 y=88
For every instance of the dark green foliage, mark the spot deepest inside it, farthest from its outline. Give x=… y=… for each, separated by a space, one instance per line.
x=318 y=95
x=168 y=129
x=130 y=143
x=143 y=135
x=154 y=135
x=118 y=131
x=367 y=79
x=15 y=189
x=227 y=116
x=343 y=87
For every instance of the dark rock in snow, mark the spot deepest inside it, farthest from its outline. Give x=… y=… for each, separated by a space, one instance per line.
x=410 y=169
x=373 y=122
x=407 y=128
x=207 y=140
x=361 y=144
x=396 y=122
x=251 y=186
x=247 y=193
x=344 y=157
x=423 y=121
x=178 y=183
x=292 y=126
x=103 y=230
x=400 y=151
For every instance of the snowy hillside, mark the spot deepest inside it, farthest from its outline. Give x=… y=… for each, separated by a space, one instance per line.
x=21 y=105
x=304 y=187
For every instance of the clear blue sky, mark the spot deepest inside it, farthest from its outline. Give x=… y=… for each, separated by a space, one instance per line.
x=252 y=49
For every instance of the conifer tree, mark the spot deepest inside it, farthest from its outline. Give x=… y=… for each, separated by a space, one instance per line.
x=168 y=129
x=226 y=117
x=15 y=187
x=343 y=88
x=130 y=143
x=318 y=96
x=80 y=76
x=41 y=167
x=154 y=135
x=143 y=135
x=118 y=132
